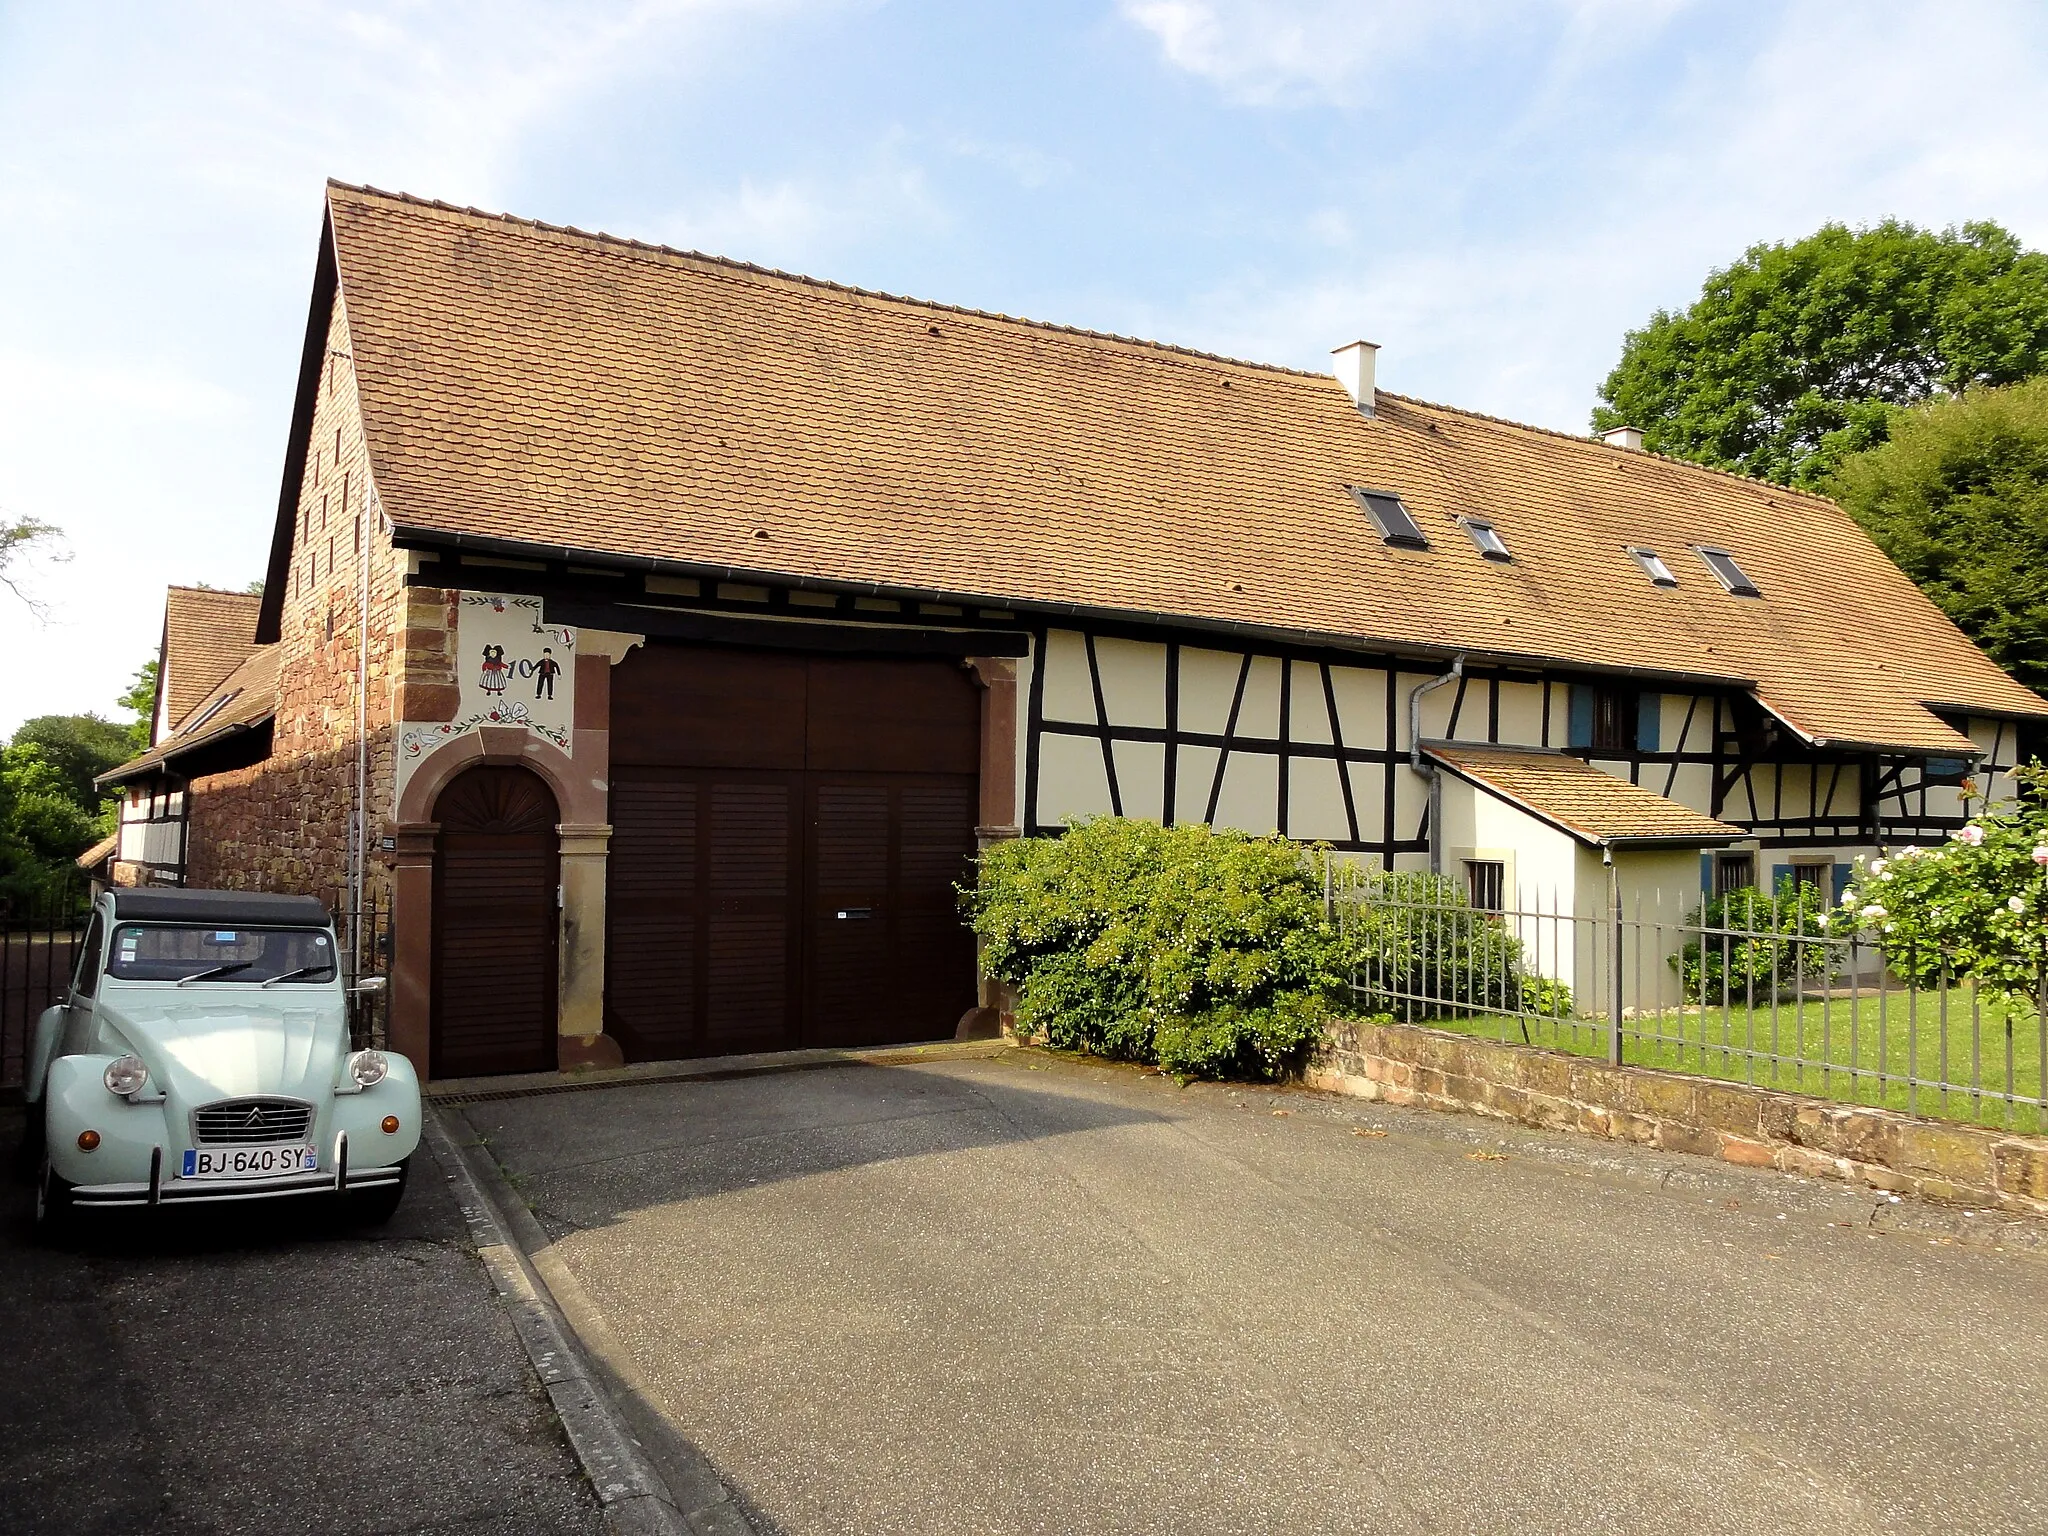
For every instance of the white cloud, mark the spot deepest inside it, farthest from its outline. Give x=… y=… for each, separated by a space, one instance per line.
x=1517 y=306
x=1265 y=52
x=805 y=223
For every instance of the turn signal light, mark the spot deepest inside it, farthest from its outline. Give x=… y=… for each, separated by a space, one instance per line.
x=391 y=1125
x=87 y=1140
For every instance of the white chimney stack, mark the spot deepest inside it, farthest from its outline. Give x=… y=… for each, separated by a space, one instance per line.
x=1355 y=371
x=1628 y=439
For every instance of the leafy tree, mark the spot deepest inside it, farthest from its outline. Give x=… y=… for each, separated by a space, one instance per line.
x=1958 y=497
x=42 y=828
x=1793 y=356
x=78 y=748
x=140 y=701
x=20 y=538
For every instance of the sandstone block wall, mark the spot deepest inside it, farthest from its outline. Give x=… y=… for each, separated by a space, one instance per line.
x=1757 y=1127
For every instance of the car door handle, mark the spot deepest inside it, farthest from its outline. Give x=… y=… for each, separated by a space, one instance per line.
x=846 y=913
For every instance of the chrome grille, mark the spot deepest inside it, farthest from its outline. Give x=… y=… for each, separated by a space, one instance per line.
x=251 y=1122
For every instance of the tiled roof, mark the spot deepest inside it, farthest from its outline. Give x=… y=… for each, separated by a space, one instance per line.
x=207 y=635
x=539 y=386
x=1573 y=795
x=246 y=698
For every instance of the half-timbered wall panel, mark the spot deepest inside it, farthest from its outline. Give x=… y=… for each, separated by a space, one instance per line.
x=1317 y=747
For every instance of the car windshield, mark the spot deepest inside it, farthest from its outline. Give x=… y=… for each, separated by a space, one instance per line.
x=192 y=952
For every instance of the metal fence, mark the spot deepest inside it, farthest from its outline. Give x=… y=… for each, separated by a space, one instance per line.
x=40 y=940
x=1774 y=1001
x=39 y=943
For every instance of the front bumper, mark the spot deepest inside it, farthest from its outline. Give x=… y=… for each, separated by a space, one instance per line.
x=220 y=1191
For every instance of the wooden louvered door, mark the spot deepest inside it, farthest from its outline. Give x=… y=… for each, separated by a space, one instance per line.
x=787 y=830
x=702 y=956
x=888 y=953
x=495 y=924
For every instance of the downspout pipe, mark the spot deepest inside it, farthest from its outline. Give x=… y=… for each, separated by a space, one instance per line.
x=1428 y=770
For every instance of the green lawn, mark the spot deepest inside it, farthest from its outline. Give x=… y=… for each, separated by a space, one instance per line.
x=1896 y=1055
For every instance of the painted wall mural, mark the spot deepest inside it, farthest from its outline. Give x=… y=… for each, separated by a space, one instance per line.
x=513 y=667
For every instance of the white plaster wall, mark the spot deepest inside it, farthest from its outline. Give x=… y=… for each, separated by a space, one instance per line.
x=1068 y=693
x=1521 y=714
x=1315 y=801
x=1071 y=778
x=1207 y=680
x=1308 y=711
x=1361 y=705
x=1133 y=682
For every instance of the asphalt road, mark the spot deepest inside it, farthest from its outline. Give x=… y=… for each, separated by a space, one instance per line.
x=1024 y=1294
x=196 y=1376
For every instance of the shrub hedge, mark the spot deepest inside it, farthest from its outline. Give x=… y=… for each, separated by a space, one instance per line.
x=1208 y=953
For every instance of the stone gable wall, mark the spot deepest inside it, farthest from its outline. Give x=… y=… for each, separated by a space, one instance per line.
x=282 y=825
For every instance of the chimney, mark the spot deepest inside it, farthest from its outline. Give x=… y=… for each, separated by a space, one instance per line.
x=1628 y=439
x=1355 y=371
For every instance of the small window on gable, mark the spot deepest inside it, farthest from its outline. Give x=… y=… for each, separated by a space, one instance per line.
x=1485 y=538
x=1726 y=571
x=1653 y=567
x=1397 y=527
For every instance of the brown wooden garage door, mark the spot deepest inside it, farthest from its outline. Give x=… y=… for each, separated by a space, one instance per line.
x=787 y=833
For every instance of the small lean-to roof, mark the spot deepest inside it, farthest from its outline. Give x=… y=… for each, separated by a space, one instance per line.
x=525 y=387
x=1575 y=797
x=243 y=700
x=207 y=634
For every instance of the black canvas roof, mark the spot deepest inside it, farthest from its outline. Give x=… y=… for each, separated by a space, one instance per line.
x=158 y=905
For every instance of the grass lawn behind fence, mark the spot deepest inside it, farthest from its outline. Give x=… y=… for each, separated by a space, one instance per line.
x=1896 y=1052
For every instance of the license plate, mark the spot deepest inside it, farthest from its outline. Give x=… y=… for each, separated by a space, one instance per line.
x=249 y=1162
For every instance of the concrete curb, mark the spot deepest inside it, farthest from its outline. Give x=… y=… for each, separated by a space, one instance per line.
x=635 y=1498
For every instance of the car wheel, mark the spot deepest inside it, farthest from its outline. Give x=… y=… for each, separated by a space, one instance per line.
x=374 y=1207
x=54 y=1205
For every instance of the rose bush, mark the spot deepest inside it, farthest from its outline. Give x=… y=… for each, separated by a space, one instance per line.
x=1978 y=903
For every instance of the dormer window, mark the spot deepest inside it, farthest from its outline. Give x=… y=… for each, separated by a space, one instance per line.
x=1485 y=538
x=1653 y=567
x=1726 y=571
x=1396 y=525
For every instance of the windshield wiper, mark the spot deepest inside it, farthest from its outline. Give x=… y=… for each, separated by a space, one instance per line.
x=304 y=970
x=217 y=970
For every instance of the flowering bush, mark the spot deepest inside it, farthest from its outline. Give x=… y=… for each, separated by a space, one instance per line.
x=1980 y=900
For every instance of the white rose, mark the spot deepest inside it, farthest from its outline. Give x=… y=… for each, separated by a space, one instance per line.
x=1872 y=913
x=2014 y=904
x=1877 y=866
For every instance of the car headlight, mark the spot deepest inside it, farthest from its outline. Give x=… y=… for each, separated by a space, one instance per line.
x=125 y=1075
x=368 y=1068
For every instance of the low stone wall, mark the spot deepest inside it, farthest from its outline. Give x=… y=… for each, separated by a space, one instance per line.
x=1756 y=1127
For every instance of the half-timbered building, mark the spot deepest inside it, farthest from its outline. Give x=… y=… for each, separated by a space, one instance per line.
x=664 y=634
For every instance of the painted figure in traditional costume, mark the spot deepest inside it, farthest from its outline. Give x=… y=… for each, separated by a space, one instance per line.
x=493 y=677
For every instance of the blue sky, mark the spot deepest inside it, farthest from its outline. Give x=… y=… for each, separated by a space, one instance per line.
x=1494 y=191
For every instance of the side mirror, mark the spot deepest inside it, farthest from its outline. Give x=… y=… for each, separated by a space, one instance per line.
x=369 y=986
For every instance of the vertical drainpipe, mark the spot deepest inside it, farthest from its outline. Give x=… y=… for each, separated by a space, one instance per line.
x=1428 y=771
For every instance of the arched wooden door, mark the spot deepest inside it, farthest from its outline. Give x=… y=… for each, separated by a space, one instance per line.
x=495 y=924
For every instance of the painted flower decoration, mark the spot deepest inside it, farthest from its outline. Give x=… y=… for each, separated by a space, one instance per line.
x=1971 y=836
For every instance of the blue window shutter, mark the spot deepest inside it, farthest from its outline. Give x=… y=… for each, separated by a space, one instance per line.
x=1706 y=874
x=1649 y=721
x=1581 y=733
x=1779 y=872
x=1842 y=874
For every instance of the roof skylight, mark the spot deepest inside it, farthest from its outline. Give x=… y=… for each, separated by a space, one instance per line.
x=1653 y=567
x=1726 y=571
x=1397 y=527
x=1485 y=538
